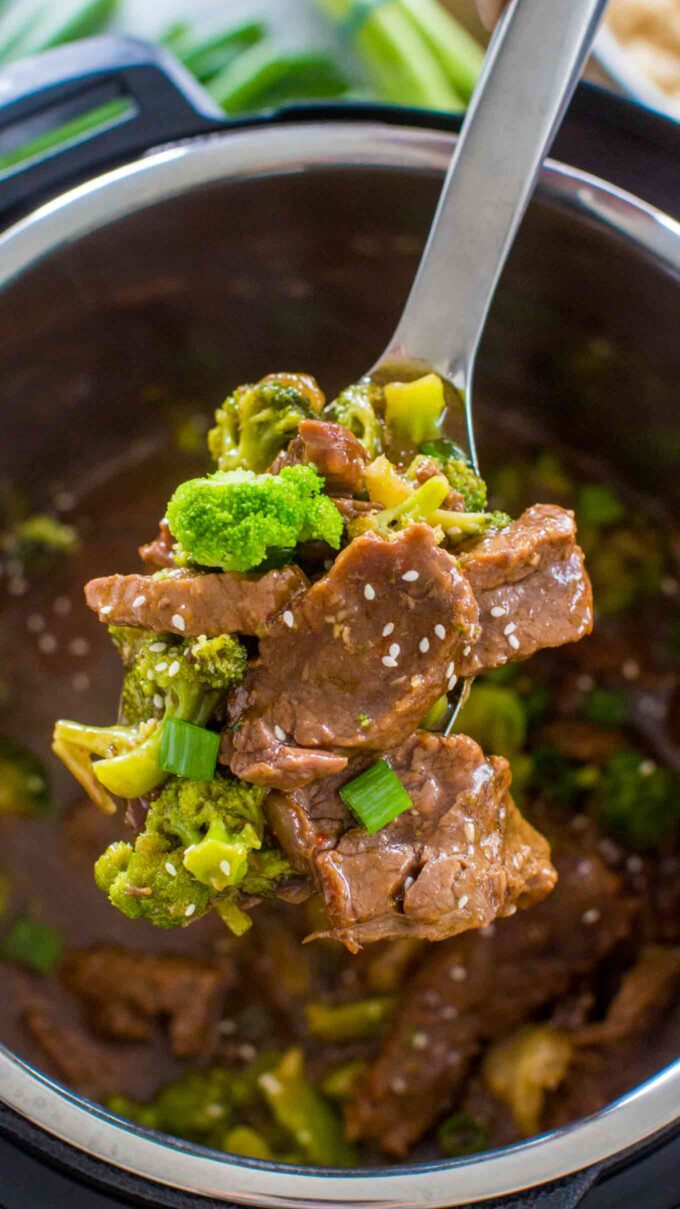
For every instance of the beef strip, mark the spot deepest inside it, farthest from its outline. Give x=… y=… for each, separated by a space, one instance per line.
x=209 y=603
x=477 y=987
x=87 y=1065
x=159 y=553
x=531 y=587
x=462 y=855
x=127 y=992
x=613 y=1054
x=354 y=664
x=335 y=452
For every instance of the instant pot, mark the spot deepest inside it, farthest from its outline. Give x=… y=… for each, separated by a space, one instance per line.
x=171 y=238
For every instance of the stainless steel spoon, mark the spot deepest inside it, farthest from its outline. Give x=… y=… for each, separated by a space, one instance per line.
x=530 y=72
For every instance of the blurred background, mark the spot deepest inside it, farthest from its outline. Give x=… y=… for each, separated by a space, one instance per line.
x=255 y=54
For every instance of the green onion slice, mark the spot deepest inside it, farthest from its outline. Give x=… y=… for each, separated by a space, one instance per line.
x=188 y=750
x=33 y=944
x=376 y=796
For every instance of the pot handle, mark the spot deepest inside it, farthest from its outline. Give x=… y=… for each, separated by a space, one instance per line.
x=139 y=92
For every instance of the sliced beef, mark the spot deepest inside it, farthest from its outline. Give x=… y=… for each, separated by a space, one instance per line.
x=614 y=1054
x=126 y=993
x=462 y=855
x=531 y=587
x=355 y=663
x=159 y=553
x=335 y=452
x=209 y=603
x=477 y=987
x=87 y=1065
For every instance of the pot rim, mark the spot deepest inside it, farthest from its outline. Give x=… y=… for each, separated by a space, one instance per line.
x=634 y=1118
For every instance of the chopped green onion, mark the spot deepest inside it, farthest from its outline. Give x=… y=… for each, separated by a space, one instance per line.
x=376 y=796
x=462 y=1134
x=34 y=944
x=188 y=750
x=338 y=1083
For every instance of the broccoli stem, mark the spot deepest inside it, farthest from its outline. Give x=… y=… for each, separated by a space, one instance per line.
x=335 y=1022
x=304 y=1114
x=420 y=505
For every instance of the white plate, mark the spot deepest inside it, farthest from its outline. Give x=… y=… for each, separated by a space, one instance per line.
x=620 y=65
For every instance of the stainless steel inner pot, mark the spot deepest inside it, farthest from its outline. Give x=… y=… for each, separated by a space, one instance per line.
x=214 y=261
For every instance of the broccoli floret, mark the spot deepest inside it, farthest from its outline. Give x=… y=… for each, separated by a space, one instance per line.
x=165 y=678
x=201 y=847
x=403 y=505
x=232 y=520
x=24 y=784
x=39 y=541
x=198 y=1106
x=638 y=801
x=149 y=881
x=457 y=469
x=256 y=422
x=494 y=717
x=461 y=1134
x=360 y=408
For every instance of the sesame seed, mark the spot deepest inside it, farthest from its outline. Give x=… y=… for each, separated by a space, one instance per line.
x=498 y=611
x=466 y=650
x=410 y=577
x=647 y=767
x=512 y=910
x=62 y=605
x=463 y=901
x=289 y=619
x=471 y=850
x=449 y=1012
x=669 y=586
x=630 y=669
x=158 y=701
x=178 y=622
x=227 y=1027
x=513 y=641
x=17 y=586
x=635 y=864
x=139 y=601
x=279 y=732
x=225 y=867
x=457 y=973
x=585 y=683
x=469 y=831
x=170 y=868
x=150 y=673
x=157 y=647
x=591 y=916
x=388 y=661
x=190 y=909
x=79 y=646
x=510 y=628
x=174 y=668
x=47 y=643
x=394 y=650
x=35 y=622
x=450 y=669
x=105 y=610
x=81 y=682
x=408 y=883
x=388 y=629
x=424 y=645
x=369 y=592
x=440 y=631
x=419 y=1040
x=160 y=667
x=398 y=1085
x=451 y=684
x=64 y=501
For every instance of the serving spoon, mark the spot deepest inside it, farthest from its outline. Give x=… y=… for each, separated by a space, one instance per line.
x=530 y=71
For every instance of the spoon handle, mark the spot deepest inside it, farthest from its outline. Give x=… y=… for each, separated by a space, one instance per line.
x=531 y=69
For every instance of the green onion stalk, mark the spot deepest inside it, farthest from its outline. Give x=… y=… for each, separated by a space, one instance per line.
x=414 y=52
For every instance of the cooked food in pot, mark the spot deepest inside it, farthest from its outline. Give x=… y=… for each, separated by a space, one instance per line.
x=372 y=587
x=323 y=798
